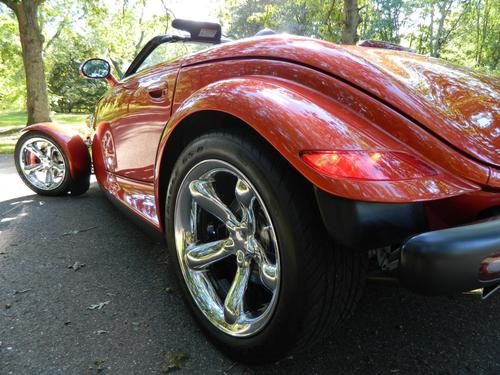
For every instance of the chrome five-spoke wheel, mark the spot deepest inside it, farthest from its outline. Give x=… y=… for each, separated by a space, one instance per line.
x=227 y=248
x=42 y=163
x=255 y=264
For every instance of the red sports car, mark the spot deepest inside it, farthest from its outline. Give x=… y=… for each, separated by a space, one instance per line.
x=283 y=171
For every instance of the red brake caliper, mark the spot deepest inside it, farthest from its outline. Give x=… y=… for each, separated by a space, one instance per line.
x=33 y=159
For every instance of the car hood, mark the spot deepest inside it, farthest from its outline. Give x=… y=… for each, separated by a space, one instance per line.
x=459 y=106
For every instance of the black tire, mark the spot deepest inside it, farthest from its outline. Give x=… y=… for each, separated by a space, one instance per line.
x=321 y=283
x=80 y=187
x=68 y=184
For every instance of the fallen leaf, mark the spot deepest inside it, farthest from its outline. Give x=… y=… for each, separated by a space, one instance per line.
x=174 y=361
x=98 y=306
x=98 y=365
x=21 y=291
x=76 y=266
x=76 y=231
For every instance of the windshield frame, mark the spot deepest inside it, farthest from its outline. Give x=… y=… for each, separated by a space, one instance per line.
x=155 y=42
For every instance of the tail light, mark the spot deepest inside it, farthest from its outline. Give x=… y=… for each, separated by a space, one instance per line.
x=368 y=165
x=490 y=268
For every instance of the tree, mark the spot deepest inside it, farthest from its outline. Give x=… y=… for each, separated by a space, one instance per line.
x=37 y=101
x=487 y=53
x=351 y=22
x=12 y=88
x=247 y=17
x=382 y=20
x=463 y=31
x=121 y=33
x=69 y=91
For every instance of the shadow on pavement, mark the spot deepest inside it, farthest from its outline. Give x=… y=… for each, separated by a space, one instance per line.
x=47 y=325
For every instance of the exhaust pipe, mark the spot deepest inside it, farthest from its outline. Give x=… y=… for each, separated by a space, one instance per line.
x=488 y=291
x=453 y=260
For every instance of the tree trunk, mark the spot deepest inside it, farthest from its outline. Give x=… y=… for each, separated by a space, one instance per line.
x=431 y=32
x=438 y=44
x=351 y=22
x=32 y=46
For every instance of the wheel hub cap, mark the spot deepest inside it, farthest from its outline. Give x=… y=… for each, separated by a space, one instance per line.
x=233 y=276
x=42 y=164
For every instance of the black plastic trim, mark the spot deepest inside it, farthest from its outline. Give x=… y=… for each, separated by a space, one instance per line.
x=368 y=225
x=193 y=27
x=147 y=49
x=200 y=31
x=447 y=261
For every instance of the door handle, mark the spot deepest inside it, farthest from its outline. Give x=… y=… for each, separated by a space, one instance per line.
x=158 y=91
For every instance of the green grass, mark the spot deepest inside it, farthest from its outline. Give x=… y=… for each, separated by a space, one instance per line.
x=11 y=124
x=12 y=119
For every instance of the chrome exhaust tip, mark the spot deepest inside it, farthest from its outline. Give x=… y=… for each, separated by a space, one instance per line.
x=488 y=291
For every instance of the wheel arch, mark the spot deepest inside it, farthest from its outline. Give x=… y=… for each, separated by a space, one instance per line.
x=72 y=145
x=291 y=118
x=191 y=127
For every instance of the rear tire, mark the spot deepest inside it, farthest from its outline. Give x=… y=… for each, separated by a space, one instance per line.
x=320 y=283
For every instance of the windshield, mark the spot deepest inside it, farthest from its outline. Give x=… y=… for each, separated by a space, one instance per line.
x=167 y=52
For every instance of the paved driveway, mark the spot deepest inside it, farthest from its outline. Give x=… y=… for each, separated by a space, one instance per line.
x=46 y=326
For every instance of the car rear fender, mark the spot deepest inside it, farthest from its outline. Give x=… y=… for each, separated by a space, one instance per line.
x=293 y=118
x=71 y=144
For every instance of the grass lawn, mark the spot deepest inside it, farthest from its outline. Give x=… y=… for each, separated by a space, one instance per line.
x=11 y=124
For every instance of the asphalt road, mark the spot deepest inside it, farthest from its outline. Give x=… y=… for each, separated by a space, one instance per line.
x=46 y=326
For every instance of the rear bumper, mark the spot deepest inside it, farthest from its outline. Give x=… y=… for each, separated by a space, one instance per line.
x=368 y=225
x=452 y=260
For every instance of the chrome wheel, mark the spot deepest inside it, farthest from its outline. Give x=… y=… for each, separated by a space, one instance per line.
x=227 y=248
x=42 y=163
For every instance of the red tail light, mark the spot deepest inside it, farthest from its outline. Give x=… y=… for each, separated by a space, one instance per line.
x=368 y=165
x=490 y=268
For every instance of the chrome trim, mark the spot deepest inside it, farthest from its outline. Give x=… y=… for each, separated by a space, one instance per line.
x=249 y=240
x=46 y=171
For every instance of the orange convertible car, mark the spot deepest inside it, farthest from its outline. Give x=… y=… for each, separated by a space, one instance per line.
x=282 y=171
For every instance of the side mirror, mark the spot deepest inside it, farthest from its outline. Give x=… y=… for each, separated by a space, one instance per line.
x=97 y=68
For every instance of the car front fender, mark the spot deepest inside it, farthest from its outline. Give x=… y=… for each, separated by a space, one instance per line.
x=294 y=118
x=72 y=145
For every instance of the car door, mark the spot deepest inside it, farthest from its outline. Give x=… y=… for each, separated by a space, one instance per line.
x=137 y=130
x=143 y=105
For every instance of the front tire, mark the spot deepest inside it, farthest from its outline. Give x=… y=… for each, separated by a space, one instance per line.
x=254 y=262
x=44 y=167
